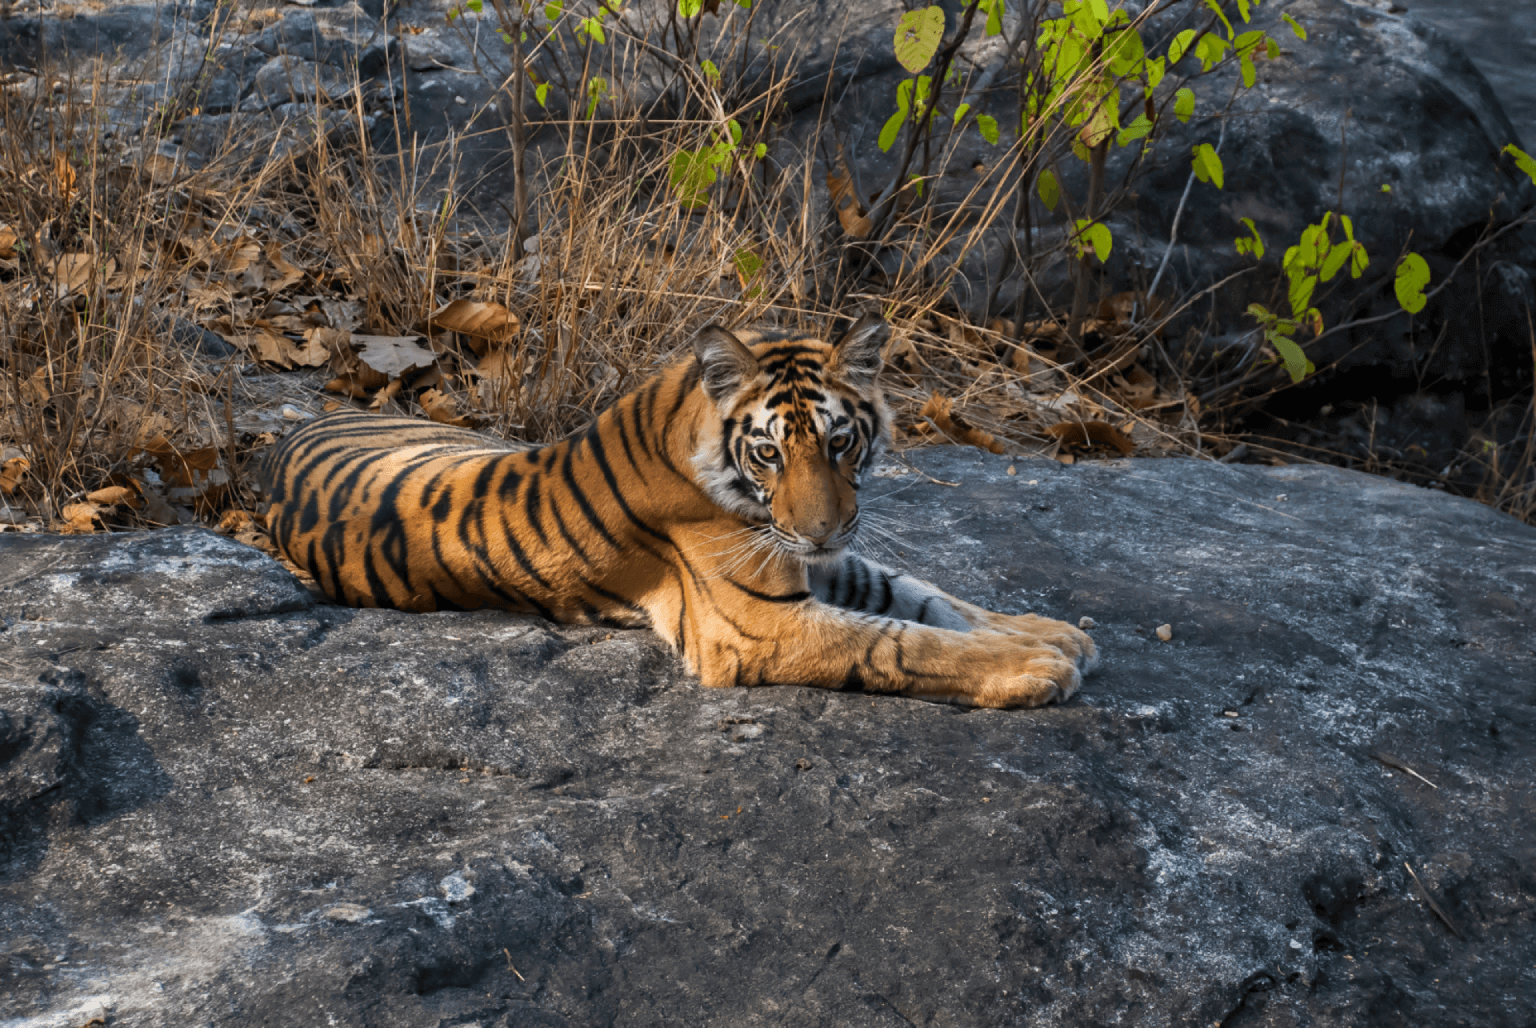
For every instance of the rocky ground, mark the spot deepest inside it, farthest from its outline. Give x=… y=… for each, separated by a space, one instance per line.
x=223 y=803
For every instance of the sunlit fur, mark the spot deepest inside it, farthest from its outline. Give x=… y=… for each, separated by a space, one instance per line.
x=715 y=504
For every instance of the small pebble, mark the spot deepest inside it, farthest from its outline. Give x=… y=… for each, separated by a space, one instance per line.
x=456 y=889
x=1086 y=623
x=347 y=912
x=1012 y=470
x=1165 y=632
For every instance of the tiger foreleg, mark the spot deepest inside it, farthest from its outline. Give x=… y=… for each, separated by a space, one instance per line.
x=812 y=643
x=861 y=585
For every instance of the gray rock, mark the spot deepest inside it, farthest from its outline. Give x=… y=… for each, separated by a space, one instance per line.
x=224 y=803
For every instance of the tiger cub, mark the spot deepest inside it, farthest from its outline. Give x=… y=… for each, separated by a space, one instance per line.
x=715 y=505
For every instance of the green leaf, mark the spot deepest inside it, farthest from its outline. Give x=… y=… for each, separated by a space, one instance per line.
x=1049 y=190
x=1253 y=245
x=747 y=263
x=554 y=9
x=890 y=129
x=1208 y=165
x=760 y=151
x=475 y=5
x=1216 y=6
x=987 y=126
x=1095 y=235
x=1359 y=260
x=1301 y=33
x=1242 y=8
x=1250 y=73
x=691 y=173
x=994 y=12
x=1156 y=68
x=917 y=37
x=1296 y=363
x=1386 y=188
x=734 y=128
x=1300 y=292
x=596 y=90
x=1137 y=129
x=1180 y=45
x=1271 y=48
x=1184 y=104
x=1524 y=161
x=593 y=27
x=689 y=8
x=711 y=72
x=541 y=94
x=1210 y=50
x=917 y=183
x=1412 y=277
x=960 y=112
x=1334 y=261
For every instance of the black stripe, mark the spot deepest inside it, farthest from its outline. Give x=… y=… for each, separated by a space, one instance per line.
x=794 y=597
x=581 y=498
x=615 y=598
x=889 y=593
x=531 y=507
x=595 y=443
x=565 y=533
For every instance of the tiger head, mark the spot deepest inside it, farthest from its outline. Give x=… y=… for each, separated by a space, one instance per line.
x=799 y=422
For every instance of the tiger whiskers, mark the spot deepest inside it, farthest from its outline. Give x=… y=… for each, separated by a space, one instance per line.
x=751 y=541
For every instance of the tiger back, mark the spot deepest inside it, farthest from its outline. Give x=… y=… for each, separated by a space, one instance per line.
x=716 y=504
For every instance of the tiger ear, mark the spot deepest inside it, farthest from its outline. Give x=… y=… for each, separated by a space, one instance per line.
x=858 y=358
x=724 y=360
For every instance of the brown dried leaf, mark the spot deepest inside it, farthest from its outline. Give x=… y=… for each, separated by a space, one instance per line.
x=193 y=477
x=1136 y=388
x=287 y=274
x=36 y=389
x=245 y=527
x=940 y=410
x=8 y=240
x=115 y=494
x=1087 y=434
x=853 y=218
x=267 y=346
x=483 y=322
x=79 y=518
x=63 y=175
x=352 y=384
x=158 y=168
x=12 y=472
x=393 y=355
x=72 y=271
x=389 y=392
x=440 y=407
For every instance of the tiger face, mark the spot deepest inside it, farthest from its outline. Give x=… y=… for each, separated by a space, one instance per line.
x=800 y=422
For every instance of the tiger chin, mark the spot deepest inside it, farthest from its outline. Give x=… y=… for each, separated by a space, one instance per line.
x=716 y=505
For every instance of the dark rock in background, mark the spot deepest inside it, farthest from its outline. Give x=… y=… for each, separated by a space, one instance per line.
x=223 y=803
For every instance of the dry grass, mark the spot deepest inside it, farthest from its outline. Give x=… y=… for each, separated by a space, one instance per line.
x=113 y=259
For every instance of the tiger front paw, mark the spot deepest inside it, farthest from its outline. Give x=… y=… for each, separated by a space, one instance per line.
x=1069 y=640
x=1045 y=674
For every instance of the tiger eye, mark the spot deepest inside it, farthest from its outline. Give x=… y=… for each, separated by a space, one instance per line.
x=766 y=452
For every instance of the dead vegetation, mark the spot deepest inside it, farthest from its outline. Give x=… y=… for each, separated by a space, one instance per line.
x=161 y=324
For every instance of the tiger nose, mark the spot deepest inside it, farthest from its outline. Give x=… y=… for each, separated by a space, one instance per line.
x=820 y=532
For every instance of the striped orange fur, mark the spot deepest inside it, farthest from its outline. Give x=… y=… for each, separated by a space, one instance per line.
x=715 y=505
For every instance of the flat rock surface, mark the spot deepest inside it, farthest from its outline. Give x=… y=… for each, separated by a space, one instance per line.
x=222 y=803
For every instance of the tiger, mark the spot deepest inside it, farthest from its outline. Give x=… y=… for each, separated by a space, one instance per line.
x=716 y=504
